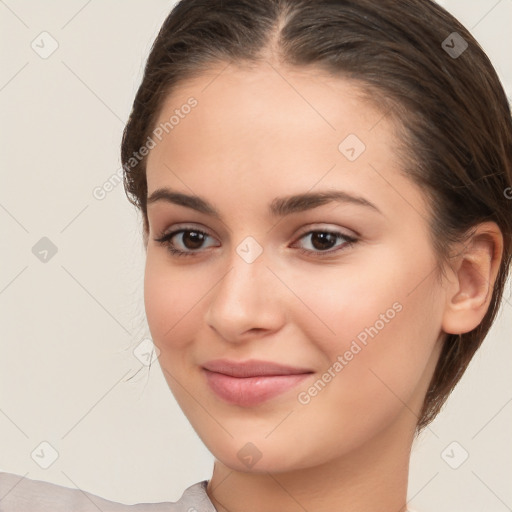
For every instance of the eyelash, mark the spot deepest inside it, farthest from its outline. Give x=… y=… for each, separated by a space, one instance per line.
x=165 y=240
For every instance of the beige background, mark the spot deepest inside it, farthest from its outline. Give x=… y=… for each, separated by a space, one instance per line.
x=69 y=325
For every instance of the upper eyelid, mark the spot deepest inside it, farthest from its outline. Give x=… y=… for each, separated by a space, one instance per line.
x=309 y=230
x=316 y=226
x=186 y=227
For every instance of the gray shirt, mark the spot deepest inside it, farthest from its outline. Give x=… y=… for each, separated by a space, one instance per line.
x=20 y=494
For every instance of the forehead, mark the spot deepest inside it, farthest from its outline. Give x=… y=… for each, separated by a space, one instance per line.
x=268 y=101
x=262 y=109
x=265 y=129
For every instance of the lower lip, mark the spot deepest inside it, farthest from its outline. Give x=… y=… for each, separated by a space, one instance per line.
x=249 y=391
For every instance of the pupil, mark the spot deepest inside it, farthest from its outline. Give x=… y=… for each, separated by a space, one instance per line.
x=195 y=238
x=325 y=240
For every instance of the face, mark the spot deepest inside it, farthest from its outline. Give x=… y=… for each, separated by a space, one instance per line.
x=338 y=285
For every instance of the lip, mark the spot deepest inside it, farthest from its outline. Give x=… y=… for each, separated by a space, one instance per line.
x=252 y=368
x=249 y=383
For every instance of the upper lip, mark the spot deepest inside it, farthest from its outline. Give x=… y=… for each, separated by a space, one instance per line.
x=252 y=368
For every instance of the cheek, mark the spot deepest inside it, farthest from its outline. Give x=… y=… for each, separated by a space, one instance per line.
x=386 y=321
x=172 y=298
x=344 y=303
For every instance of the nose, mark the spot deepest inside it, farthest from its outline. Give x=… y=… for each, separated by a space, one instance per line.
x=246 y=301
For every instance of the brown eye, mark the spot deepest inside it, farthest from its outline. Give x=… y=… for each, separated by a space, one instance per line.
x=192 y=239
x=184 y=242
x=322 y=242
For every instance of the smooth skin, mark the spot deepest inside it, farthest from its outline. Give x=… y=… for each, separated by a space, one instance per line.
x=265 y=132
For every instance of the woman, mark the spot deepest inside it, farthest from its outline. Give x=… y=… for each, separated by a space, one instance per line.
x=325 y=190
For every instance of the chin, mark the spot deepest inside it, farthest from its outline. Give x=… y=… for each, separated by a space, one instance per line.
x=264 y=455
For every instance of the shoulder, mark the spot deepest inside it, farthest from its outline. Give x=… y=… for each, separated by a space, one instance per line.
x=19 y=494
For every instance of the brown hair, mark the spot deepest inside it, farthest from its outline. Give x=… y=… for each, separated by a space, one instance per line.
x=446 y=99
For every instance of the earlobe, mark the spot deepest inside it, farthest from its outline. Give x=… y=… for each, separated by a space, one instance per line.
x=474 y=271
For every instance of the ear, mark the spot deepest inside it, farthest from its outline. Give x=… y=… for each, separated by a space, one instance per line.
x=473 y=273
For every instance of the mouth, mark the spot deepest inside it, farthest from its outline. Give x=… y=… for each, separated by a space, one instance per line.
x=250 y=383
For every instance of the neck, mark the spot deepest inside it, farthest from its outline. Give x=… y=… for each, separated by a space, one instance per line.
x=371 y=477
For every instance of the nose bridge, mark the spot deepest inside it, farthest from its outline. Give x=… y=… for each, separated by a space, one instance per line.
x=247 y=263
x=242 y=285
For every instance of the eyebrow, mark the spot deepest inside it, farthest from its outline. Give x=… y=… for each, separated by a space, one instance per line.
x=279 y=207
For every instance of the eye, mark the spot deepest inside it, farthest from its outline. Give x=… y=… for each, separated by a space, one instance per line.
x=190 y=242
x=321 y=242
x=183 y=242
